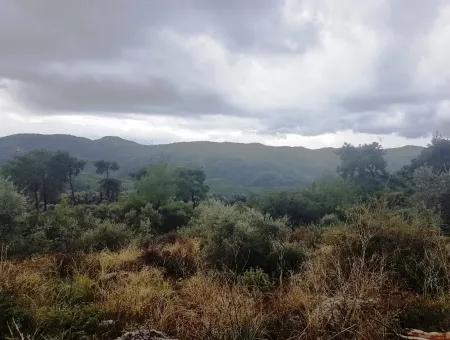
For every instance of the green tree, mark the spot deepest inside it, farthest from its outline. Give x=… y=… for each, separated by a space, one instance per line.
x=364 y=165
x=65 y=167
x=43 y=175
x=30 y=173
x=158 y=185
x=105 y=167
x=191 y=185
x=12 y=206
x=109 y=187
x=435 y=156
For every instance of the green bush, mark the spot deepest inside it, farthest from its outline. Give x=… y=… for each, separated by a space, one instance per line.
x=256 y=279
x=239 y=238
x=12 y=207
x=311 y=204
x=411 y=245
x=107 y=235
x=174 y=215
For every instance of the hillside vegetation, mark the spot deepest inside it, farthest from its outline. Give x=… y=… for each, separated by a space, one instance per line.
x=229 y=167
x=365 y=255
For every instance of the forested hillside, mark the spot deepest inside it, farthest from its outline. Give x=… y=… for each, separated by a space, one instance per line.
x=229 y=167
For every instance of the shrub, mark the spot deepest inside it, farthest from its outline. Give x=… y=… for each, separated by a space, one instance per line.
x=180 y=259
x=12 y=206
x=413 y=249
x=240 y=238
x=107 y=235
x=174 y=214
x=310 y=204
x=256 y=279
x=12 y=203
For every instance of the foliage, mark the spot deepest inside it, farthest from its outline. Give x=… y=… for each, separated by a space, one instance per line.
x=435 y=156
x=12 y=206
x=67 y=168
x=157 y=186
x=308 y=205
x=160 y=183
x=231 y=168
x=363 y=165
x=105 y=167
x=174 y=214
x=191 y=185
x=106 y=235
x=432 y=190
x=240 y=238
x=110 y=189
x=409 y=244
x=43 y=175
x=357 y=265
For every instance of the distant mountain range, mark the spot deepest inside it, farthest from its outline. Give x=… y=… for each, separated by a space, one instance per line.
x=230 y=167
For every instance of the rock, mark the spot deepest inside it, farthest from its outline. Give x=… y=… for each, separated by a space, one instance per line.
x=145 y=335
x=106 y=323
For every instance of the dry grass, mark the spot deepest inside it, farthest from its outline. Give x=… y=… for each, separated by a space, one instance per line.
x=209 y=306
x=365 y=280
x=136 y=296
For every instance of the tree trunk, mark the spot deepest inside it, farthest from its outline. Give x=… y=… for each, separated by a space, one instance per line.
x=72 y=191
x=36 y=200
x=44 y=193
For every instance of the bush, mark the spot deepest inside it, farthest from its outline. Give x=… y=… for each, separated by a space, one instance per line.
x=12 y=206
x=311 y=204
x=256 y=279
x=107 y=235
x=174 y=214
x=412 y=247
x=240 y=238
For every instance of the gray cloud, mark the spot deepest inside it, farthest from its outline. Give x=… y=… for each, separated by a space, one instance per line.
x=304 y=67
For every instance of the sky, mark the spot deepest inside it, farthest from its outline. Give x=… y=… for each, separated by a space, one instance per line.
x=314 y=73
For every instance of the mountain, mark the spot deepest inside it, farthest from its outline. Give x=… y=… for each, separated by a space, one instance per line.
x=230 y=167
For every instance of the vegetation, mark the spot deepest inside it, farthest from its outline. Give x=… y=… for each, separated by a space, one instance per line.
x=230 y=168
x=362 y=256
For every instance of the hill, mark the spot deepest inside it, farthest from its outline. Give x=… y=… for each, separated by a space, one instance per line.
x=230 y=167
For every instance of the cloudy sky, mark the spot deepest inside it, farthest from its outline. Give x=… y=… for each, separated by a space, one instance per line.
x=293 y=72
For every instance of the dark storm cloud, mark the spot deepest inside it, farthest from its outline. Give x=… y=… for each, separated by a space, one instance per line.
x=190 y=58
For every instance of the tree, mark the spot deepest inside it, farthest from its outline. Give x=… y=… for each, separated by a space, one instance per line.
x=12 y=206
x=109 y=187
x=435 y=156
x=104 y=167
x=43 y=175
x=364 y=165
x=433 y=190
x=157 y=186
x=30 y=173
x=66 y=167
x=191 y=185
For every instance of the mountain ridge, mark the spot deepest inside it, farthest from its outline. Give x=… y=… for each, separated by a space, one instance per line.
x=230 y=167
